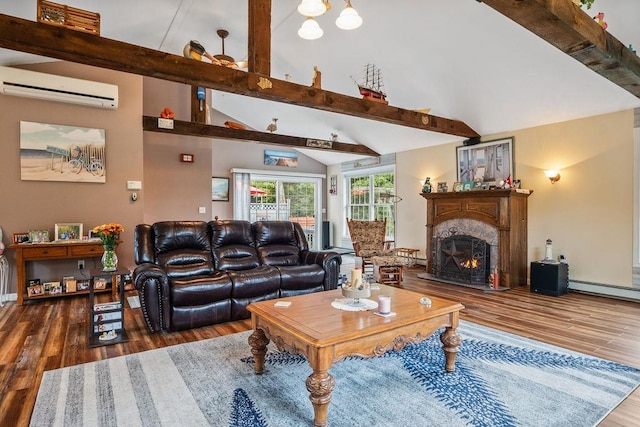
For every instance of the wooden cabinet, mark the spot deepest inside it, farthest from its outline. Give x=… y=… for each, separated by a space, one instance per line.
x=505 y=210
x=107 y=317
x=33 y=252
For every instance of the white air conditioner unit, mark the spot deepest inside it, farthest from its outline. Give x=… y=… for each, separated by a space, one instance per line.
x=50 y=87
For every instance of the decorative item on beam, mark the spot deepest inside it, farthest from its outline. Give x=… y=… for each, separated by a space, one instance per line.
x=319 y=143
x=349 y=18
x=272 y=127
x=366 y=163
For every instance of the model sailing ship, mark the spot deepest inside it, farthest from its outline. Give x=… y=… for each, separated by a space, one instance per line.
x=371 y=88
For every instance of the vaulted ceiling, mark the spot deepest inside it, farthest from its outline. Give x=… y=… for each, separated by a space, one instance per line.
x=462 y=59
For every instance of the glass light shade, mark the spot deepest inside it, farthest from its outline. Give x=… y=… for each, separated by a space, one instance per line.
x=348 y=19
x=312 y=7
x=553 y=175
x=310 y=30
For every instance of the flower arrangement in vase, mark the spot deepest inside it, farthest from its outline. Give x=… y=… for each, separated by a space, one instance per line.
x=109 y=234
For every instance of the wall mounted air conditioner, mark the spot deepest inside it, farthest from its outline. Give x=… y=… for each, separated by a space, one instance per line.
x=50 y=87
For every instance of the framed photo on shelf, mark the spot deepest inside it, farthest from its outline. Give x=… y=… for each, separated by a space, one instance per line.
x=82 y=285
x=442 y=187
x=100 y=283
x=219 y=189
x=490 y=161
x=457 y=186
x=20 y=237
x=39 y=236
x=35 y=290
x=68 y=231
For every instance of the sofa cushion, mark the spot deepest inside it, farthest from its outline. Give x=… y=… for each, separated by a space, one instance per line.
x=186 y=263
x=232 y=245
x=257 y=284
x=301 y=277
x=200 y=290
x=276 y=243
x=183 y=248
x=201 y=315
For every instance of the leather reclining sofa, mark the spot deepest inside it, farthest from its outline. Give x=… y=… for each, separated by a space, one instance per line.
x=193 y=273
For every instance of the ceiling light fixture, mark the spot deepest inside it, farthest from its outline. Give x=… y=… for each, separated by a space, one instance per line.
x=312 y=8
x=349 y=18
x=310 y=30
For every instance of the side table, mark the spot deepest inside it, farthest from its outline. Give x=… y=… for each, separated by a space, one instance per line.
x=410 y=256
x=106 y=320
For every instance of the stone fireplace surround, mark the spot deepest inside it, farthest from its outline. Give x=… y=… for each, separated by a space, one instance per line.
x=497 y=216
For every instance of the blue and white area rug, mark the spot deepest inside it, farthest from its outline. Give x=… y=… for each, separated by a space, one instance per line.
x=500 y=380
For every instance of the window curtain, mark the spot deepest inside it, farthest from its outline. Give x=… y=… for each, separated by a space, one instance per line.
x=241 y=195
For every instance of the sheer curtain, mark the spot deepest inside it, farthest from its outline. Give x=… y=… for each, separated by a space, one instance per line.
x=241 y=195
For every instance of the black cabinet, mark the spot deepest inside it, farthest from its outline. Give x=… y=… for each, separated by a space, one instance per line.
x=106 y=319
x=549 y=278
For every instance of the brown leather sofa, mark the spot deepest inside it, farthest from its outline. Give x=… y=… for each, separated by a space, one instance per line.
x=193 y=273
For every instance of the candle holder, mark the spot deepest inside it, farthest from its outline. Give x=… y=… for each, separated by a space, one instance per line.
x=355 y=293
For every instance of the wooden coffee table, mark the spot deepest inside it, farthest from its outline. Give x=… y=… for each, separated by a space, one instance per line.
x=312 y=327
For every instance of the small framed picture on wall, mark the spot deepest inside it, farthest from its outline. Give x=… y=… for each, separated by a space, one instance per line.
x=219 y=189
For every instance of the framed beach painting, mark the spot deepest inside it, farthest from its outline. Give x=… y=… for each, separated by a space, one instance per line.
x=281 y=158
x=219 y=189
x=50 y=152
x=490 y=162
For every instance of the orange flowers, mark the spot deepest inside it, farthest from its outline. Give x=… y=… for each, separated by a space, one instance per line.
x=108 y=234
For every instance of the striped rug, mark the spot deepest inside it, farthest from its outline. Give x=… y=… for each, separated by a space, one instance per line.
x=500 y=380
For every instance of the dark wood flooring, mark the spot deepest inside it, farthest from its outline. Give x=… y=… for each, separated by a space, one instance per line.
x=51 y=334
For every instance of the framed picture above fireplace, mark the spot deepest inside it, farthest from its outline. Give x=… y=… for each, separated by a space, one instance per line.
x=490 y=161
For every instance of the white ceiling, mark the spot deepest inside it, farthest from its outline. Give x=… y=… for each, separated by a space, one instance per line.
x=458 y=57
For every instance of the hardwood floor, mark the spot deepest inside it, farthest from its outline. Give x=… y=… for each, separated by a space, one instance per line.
x=52 y=334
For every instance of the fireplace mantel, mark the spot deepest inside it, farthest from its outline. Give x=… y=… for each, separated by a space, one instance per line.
x=506 y=210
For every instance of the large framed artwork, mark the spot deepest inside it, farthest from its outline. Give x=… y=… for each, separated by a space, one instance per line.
x=490 y=161
x=219 y=189
x=50 y=152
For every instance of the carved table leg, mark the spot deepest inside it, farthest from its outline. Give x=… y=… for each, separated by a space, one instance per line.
x=258 y=342
x=450 y=342
x=320 y=385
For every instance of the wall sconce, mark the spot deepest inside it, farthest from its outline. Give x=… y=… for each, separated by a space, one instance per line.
x=553 y=175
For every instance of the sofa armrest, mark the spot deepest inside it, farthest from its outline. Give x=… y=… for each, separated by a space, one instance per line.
x=330 y=262
x=152 y=284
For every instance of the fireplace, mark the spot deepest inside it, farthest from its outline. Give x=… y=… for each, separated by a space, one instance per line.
x=462 y=259
x=499 y=217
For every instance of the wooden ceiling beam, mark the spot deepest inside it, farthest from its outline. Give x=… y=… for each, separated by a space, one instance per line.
x=566 y=26
x=75 y=46
x=150 y=123
x=259 y=49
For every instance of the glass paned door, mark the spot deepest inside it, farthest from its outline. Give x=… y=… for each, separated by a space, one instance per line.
x=287 y=199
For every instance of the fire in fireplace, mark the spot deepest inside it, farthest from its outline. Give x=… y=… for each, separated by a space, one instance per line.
x=462 y=259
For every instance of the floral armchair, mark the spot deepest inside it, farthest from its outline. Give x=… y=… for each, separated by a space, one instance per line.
x=368 y=238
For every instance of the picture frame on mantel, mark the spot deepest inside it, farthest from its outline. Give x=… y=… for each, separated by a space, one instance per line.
x=491 y=161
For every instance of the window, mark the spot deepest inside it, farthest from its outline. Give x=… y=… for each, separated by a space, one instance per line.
x=371 y=197
x=265 y=196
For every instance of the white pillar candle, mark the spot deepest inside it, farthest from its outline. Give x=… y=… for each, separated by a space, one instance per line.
x=384 y=304
x=356 y=278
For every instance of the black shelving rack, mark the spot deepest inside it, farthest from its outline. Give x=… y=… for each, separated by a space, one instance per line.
x=107 y=316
